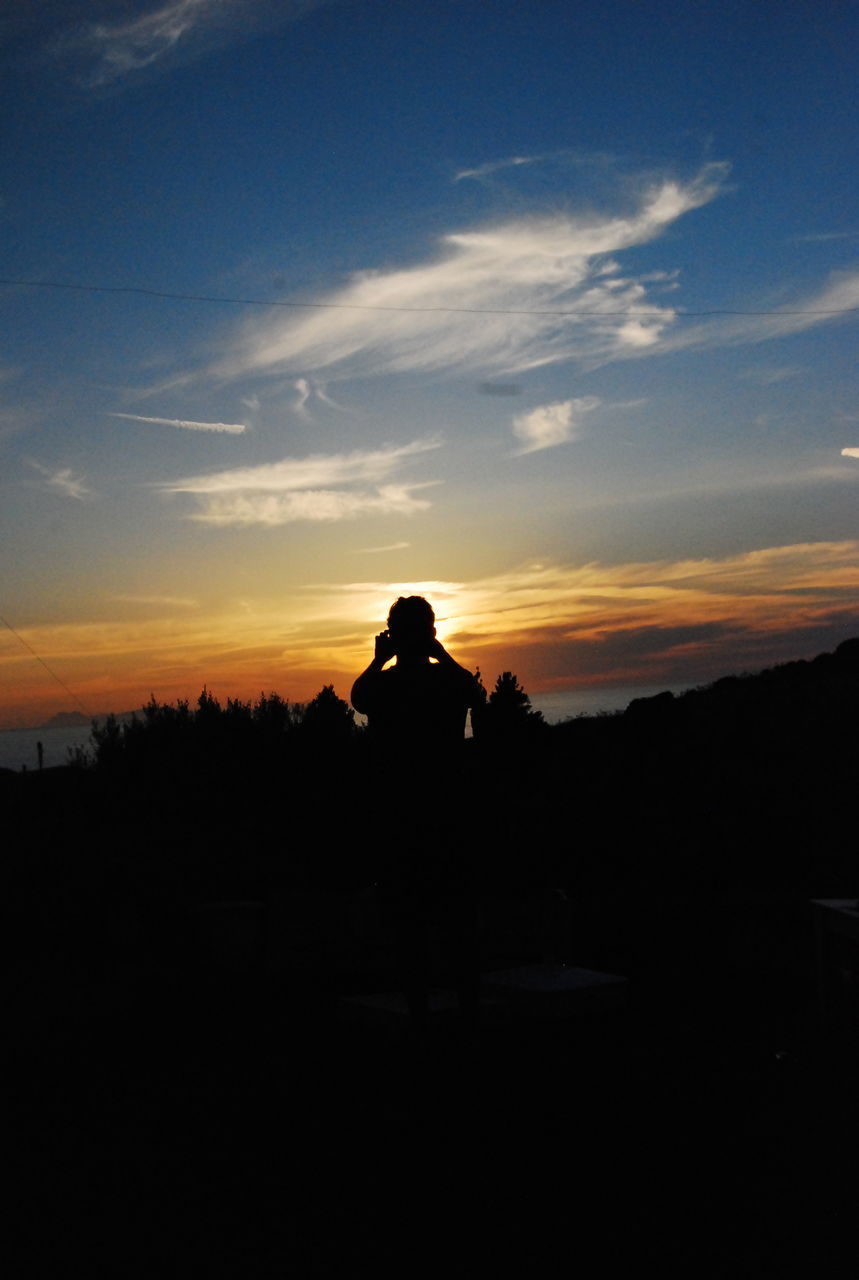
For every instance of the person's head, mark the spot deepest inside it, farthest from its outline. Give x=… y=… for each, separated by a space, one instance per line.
x=411 y=624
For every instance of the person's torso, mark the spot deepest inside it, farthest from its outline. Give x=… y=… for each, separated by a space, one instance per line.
x=420 y=712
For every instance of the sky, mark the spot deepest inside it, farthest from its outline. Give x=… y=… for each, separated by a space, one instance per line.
x=545 y=311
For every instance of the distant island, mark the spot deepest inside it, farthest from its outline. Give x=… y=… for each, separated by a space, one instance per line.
x=65 y=720
x=78 y=719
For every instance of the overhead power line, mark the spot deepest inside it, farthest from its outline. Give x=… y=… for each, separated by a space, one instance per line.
x=53 y=674
x=360 y=306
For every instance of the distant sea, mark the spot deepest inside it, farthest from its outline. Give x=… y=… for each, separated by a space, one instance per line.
x=18 y=746
x=587 y=702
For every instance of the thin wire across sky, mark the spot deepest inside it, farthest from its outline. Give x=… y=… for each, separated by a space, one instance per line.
x=357 y=306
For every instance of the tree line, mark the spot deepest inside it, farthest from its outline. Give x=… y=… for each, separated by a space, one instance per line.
x=180 y=734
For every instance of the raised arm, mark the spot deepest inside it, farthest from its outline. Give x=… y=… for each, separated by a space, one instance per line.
x=469 y=682
x=364 y=687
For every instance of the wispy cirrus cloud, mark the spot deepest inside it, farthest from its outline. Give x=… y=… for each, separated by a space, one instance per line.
x=302 y=388
x=113 y=48
x=770 y=377
x=563 y=158
x=63 y=481
x=317 y=505
x=496 y=166
x=372 y=551
x=551 y=424
x=322 y=487
x=230 y=428
x=837 y=300
x=317 y=470
x=322 y=395
x=518 y=295
x=307 y=393
x=158 y=601
x=117 y=46
x=518 y=274
x=823 y=237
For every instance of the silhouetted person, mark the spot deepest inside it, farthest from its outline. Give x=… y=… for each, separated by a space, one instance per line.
x=416 y=713
x=416 y=710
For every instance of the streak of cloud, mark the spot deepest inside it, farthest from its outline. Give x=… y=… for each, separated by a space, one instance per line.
x=302 y=387
x=551 y=424
x=322 y=394
x=307 y=390
x=771 y=377
x=823 y=237
x=371 y=551
x=62 y=481
x=421 y=318
x=317 y=470
x=169 y=602
x=495 y=166
x=850 y=453
x=230 y=428
x=111 y=50
x=562 y=158
x=838 y=300
x=322 y=487
x=317 y=505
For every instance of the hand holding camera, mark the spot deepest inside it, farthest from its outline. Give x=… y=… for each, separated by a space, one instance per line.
x=384 y=646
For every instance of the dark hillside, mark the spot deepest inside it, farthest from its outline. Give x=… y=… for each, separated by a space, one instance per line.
x=745 y=783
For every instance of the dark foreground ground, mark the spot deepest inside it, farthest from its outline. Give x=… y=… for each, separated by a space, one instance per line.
x=182 y=1116
x=200 y=1123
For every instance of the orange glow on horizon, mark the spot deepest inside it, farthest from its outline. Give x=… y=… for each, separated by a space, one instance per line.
x=557 y=626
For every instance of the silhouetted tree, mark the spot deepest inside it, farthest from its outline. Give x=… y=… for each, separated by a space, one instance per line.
x=508 y=729
x=208 y=707
x=108 y=740
x=509 y=707
x=478 y=710
x=274 y=715
x=328 y=718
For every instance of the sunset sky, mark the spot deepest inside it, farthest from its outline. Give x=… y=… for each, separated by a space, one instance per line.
x=545 y=310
